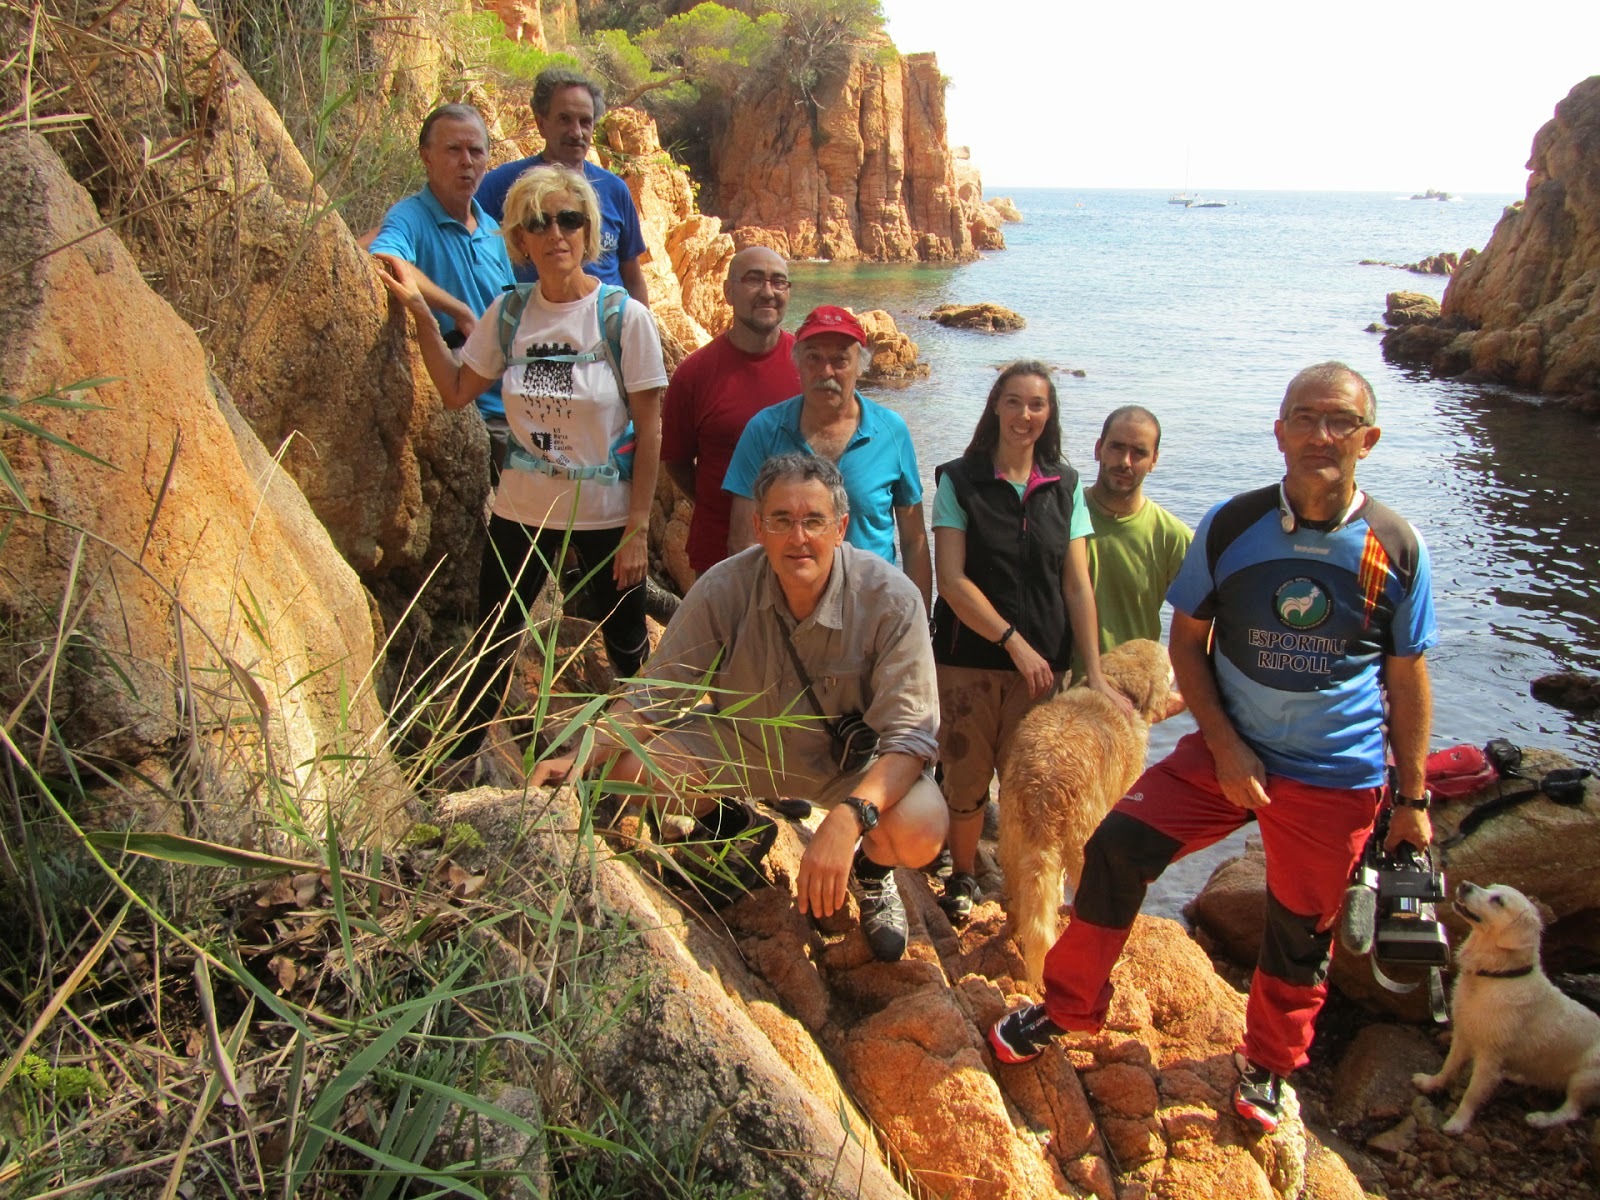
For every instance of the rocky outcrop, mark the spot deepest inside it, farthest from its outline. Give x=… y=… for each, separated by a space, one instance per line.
x=242 y=241
x=799 y=1061
x=1006 y=209
x=1572 y=690
x=1443 y=263
x=894 y=355
x=863 y=169
x=215 y=633
x=991 y=318
x=1527 y=310
x=1539 y=847
x=689 y=252
x=983 y=219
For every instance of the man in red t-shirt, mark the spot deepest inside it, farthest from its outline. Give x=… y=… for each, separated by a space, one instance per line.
x=717 y=389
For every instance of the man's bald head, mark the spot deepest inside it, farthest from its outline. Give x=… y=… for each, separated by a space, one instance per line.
x=757 y=288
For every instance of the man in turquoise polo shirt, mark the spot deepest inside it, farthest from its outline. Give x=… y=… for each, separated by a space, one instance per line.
x=446 y=234
x=870 y=443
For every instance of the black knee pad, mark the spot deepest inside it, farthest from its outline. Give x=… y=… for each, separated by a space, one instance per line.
x=1120 y=860
x=1291 y=947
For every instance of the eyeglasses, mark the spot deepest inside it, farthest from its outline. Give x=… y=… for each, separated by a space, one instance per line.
x=813 y=526
x=755 y=279
x=1338 y=425
x=568 y=220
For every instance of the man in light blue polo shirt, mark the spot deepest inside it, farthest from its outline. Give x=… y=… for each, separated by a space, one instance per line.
x=566 y=106
x=448 y=236
x=870 y=443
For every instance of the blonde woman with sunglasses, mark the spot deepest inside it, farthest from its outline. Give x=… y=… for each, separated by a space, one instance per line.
x=567 y=411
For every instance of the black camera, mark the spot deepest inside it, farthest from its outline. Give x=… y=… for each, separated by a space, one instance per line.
x=1389 y=907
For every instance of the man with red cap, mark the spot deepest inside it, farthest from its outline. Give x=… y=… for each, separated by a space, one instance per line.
x=870 y=444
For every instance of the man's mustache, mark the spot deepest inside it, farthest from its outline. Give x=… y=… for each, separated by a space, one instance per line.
x=828 y=385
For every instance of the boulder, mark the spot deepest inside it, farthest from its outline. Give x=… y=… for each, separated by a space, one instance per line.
x=1409 y=308
x=989 y=317
x=215 y=631
x=1373 y=1079
x=1572 y=690
x=236 y=233
x=894 y=355
x=1537 y=282
x=1006 y=208
x=1436 y=264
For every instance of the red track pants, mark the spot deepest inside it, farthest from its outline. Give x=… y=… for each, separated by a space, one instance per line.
x=1312 y=835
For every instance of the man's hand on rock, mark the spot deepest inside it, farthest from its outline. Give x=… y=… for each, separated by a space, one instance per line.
x=824 y=878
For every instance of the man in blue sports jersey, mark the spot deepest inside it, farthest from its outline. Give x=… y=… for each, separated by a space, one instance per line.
x=1301 y=616
x=566 y=108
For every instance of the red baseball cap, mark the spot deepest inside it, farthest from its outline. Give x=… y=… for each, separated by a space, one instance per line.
x=830 y=318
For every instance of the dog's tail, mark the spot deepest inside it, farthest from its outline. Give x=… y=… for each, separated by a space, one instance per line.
x=1033 y=894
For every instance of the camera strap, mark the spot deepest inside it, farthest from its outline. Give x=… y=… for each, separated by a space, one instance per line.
x=809 y=691
x=1561 y=786
x=1434 y=979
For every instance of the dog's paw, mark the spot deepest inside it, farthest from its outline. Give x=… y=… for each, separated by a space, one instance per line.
x=1424 y=1082
x=1549 y=1120
x=1458 y=1124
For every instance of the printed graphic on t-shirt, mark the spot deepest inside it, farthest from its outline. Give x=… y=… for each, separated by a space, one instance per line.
x=547 y=389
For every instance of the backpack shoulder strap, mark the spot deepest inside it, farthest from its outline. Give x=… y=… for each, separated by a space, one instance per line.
x=516 y=299
x=613 y=304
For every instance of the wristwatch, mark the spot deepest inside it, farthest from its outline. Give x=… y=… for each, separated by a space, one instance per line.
x=1421 y=803
x=866 y=812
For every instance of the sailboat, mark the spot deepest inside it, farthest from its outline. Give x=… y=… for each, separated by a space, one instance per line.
x=1184 y=197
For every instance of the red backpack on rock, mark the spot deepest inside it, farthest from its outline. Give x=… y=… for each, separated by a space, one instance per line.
x=1460 y=771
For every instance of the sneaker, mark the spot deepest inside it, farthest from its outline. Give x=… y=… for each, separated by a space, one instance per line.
x=1021 y=1036
x=941 y=867
x=1259 y=1097
x=792 y=807
x=883 y=913
x=960 y=893
x=722 y=860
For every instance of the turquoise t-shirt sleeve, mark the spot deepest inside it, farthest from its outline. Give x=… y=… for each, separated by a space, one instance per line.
x=907 y=488
x=1082 y=523
x=947 y=510
x=395 y=236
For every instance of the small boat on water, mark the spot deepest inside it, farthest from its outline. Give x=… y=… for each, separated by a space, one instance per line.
x=1198 y=202
x=1182 y=198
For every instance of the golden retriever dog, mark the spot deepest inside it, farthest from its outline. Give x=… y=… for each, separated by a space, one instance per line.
x=1510 y=1021
x=1069 y=760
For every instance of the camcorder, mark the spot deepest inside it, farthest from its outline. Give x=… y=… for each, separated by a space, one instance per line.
x=1389 y=911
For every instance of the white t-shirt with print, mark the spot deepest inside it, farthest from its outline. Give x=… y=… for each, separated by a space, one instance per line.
x=569 y=413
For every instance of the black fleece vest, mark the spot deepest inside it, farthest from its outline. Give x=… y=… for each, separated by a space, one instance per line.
x=1016 y=549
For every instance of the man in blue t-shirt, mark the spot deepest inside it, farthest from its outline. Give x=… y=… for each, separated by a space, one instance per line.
x=566 y=106
x=870 y=443
x=1301 y=616
x=445 y=233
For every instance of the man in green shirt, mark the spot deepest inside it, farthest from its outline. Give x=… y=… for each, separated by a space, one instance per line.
x=1137 y=546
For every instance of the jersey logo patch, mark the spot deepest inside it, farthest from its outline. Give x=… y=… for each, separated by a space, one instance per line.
x=1302 y=603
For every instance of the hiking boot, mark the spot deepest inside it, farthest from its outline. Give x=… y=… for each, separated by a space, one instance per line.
x=960 y=894
x=792 y=807
x=883 y=913
x=941 y=866
x=722 y=859
x=1260 y=1095
x=1021 y=1036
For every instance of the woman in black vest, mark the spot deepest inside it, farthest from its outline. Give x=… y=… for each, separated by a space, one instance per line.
x=1009 y=524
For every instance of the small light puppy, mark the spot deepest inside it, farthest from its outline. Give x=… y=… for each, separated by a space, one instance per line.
x=1069 y=760
x=1510 y=1021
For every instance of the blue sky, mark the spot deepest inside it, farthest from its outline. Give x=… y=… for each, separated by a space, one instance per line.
x=1314 y=96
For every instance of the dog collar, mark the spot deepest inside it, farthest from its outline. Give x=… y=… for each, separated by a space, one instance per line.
x=1510 y=973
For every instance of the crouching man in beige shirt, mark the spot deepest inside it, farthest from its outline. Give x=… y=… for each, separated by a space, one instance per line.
x=769 y=649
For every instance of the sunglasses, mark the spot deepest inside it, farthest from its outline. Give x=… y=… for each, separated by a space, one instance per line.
x=568 y=220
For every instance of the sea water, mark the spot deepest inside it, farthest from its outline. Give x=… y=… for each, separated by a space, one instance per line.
x=1203 y=316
